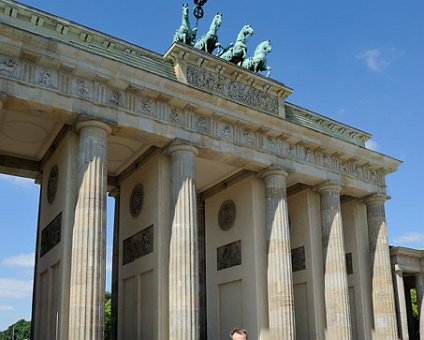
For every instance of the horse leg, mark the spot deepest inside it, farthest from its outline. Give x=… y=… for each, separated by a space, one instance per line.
x=269 y=71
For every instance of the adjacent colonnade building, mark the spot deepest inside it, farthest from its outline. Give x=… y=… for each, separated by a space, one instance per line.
x=233 y=207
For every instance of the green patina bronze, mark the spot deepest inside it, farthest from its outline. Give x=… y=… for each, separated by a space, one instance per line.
x=237 y=52
x=210 y=41
x=185 y=34
x=258 y=61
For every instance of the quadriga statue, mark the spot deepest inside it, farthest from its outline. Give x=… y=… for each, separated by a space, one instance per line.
x=258 y=61
x=210 y=41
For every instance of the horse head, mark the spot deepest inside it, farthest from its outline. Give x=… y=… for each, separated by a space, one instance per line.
x=247 y=31
x=185 y=10
x=217 y=20
x=264 y=47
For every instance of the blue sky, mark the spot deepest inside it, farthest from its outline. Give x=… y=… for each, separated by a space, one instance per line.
x=359 y=62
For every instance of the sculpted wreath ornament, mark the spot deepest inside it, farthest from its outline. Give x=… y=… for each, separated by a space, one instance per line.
x=227 y=215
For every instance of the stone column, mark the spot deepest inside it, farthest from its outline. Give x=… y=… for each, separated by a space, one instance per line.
x=202 y=268
x=402 y=313
x=88 y=266
x=183 y=256
x=419 y=284
x=279 y=266
x=116 y=194
x=383 y=300
x=335 y=276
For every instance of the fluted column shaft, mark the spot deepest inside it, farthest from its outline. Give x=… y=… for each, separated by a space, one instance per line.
x=383 y=300
x=419 y=281
x=183 y=256
x=279 y=266
x=88 y=265
x=402 y=313
x=335 y=276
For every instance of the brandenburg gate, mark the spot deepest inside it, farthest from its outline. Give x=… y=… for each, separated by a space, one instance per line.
x=233 y=206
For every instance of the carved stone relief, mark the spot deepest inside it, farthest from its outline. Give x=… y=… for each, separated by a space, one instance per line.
x=326 y=161
x=136 y=200
x=226 y=132
x=81 y=88
x=229 y=255
x=9 y=67
x=46 y=78
x=146 y=106
x=203 y=124
x=309 y=156
x=138 y=245
x=115 y=98
x=51 y=235
x=227 y=215
x=52 y=184
x=234 y=90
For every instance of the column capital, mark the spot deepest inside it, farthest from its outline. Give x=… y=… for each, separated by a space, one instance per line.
x=93 y=123
x=376 y=197
x=329 y=186
x=274 y=171
x=181 y=146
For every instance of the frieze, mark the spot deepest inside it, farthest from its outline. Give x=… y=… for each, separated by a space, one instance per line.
x=232 y=89
x=138 y=245
x=216 y=126
x=228 y=256
x=51 y=235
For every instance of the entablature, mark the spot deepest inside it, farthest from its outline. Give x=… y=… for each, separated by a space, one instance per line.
x=70 y=80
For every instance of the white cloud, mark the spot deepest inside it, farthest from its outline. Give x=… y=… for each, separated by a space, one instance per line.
x=372 y=145
x=18 y=181
x=24 y=260
x=13 y=288
x=374 y=60
x=411 y=237
x=4 y=308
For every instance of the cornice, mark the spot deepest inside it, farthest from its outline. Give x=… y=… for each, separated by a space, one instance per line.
x=409 y=252
x=307 y=118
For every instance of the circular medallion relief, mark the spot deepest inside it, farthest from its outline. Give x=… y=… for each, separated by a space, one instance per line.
x=136 y=200
x=227 y=215
x=52 y=184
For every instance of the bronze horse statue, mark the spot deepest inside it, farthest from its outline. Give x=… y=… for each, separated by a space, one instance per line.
x=258 y=61
x=184 y=33
x=237 y=52
x=210 y=41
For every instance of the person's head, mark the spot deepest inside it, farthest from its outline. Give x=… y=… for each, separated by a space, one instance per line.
x=238 y=334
